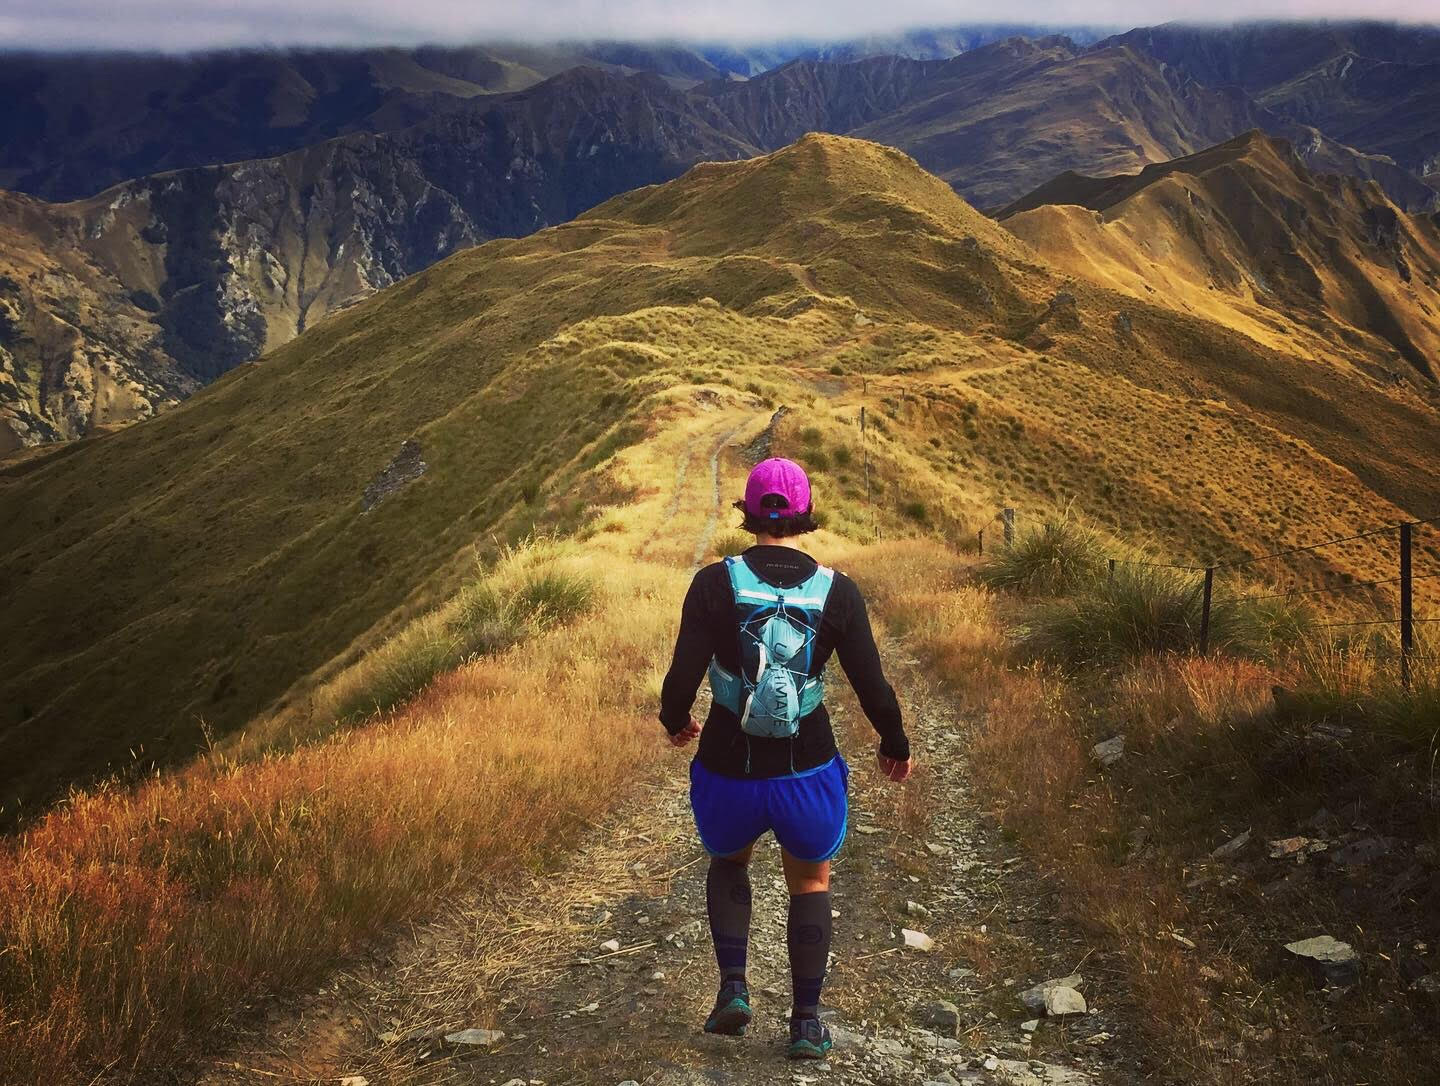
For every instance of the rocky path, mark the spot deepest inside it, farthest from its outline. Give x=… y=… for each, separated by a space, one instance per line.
x=601 y=972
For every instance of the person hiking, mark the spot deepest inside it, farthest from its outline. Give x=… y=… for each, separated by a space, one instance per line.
x=763 y=624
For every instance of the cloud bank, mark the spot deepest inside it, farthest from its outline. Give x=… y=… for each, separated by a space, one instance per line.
x=176 y=25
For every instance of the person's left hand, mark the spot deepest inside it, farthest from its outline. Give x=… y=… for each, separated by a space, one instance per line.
x=685 y=734
x=894 y=769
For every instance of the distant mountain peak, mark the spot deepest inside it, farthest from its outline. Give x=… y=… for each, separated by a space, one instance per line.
x=1249 y=233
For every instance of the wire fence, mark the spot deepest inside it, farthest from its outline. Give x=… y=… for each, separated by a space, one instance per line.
x=1402 y=552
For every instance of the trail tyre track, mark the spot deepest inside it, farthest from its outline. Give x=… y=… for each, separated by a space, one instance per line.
x=707 y=534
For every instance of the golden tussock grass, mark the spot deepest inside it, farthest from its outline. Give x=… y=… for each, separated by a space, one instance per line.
x=133 y=919
x=1206 y=758
x=1031 y=763
x=923 y=592
x=527 y=589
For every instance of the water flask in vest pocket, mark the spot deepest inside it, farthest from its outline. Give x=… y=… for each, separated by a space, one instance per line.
x=774 y=710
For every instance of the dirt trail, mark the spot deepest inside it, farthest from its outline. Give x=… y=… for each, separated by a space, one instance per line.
x=537 y=960
x=712 y=521
x=536 y=966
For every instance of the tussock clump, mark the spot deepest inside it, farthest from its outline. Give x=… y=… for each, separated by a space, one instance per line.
x=524 y=593
x=1060 y=556
x=732 y=542
x=550 y=596
x=1148 y=609
x=1359 y=685
x=396 y=672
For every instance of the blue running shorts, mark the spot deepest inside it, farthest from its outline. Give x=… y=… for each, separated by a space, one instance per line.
x=806 y=812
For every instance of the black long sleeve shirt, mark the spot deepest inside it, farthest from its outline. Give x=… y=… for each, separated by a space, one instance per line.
x=708 y=630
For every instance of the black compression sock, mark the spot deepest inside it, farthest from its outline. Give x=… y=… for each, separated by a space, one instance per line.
x=808 y=939
x=727 y=899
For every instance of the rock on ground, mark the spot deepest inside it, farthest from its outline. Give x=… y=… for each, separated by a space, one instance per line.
x=1109 y=752
x=405 y=468
x=1061 y=1000
x=1334 y=960
x=1034 y=998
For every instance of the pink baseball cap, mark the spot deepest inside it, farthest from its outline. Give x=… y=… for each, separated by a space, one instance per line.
x=782 y=478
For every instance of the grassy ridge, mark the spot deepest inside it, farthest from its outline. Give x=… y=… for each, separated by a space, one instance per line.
x=184 y=576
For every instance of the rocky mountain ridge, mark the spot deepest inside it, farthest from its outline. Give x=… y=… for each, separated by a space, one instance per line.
x=183 y=275
x=207 y=268
x=76 y=124
x=1245 y=234
x=1375 y=86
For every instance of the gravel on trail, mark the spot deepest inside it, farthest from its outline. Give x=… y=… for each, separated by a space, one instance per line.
x=601 y=971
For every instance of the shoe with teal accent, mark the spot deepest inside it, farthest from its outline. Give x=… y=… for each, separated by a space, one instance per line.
x=732 y=1010
x=809 y=1039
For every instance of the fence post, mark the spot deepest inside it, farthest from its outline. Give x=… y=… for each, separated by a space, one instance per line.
x=980 y=542
x=1407 y=612
x=1112 y=569
x=1205 y=610
x=865 y=454
x=1008 y=516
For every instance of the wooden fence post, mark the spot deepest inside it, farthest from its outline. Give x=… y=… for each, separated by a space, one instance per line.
x=865 y=454
x=1008 y=516
x=1407 y=610
x=1112 y=569
x=980 y=542
x=1205 y=610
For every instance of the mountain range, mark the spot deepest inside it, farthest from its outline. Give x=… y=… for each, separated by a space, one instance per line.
x=1372 y=86
x=120 y=304
x=77 y=123
x=171 y=580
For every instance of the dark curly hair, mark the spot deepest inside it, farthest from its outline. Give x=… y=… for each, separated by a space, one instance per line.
x=779 y=527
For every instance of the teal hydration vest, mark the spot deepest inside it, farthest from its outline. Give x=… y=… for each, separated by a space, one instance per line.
x=778 y=627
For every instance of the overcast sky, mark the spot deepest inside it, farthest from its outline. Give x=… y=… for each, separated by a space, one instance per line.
x=192 y=24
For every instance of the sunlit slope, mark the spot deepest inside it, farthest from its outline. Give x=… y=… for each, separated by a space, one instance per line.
x=189 y=571
x=1245 y=235
x=186 y=573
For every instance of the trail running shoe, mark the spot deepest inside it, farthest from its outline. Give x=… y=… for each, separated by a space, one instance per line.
x=732 y=1010
x=809 y=1039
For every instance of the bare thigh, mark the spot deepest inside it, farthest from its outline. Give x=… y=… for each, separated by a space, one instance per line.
x=801 y=876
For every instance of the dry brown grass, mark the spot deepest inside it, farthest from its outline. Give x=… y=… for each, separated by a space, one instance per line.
x=922 y=591
x=133 y=919
x=1206 y=758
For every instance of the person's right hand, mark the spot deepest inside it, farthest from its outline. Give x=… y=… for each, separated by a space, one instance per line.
x=894 y=769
